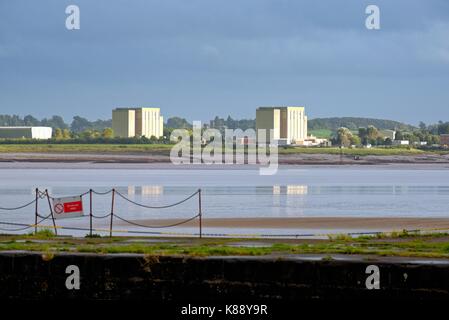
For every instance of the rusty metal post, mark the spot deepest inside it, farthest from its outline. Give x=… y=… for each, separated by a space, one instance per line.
x=51 y=212
x=200 y=213
x=36 y=213
x=112 y=212
x=90 y=211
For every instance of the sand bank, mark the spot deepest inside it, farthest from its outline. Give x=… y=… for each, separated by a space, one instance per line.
x=378 y=223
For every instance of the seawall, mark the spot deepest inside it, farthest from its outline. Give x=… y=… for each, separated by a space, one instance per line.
x=39 y=276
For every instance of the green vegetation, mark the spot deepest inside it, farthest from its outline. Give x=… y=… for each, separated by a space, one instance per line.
x=353 y=123
x=229 y=123
x=396 y=244
x=164 y=149
x=43 y=234
x=378 y=151
x=86 y=148
x=321 y=133
x=78 y=124
x=344 y=137
x=178 y=123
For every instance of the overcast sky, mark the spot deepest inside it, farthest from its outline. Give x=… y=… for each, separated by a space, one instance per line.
x=201 y=58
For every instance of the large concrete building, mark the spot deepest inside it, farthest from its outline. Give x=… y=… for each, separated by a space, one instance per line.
x=288 y=123
x=135 y=122
x=25 y=132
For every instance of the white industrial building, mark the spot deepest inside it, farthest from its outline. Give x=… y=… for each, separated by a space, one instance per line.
x=137 y=122
x=289 y=124
x=25 y=132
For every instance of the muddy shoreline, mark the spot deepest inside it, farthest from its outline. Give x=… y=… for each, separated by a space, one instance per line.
x=328 y=223
x=284 y=159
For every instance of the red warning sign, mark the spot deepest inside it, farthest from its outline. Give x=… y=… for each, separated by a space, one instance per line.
x=74 y=206
x=69 y=207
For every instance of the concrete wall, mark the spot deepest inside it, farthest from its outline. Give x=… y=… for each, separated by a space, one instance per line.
x=32 y=276
x=148 y=122
x=269 y=119
x=123 y=123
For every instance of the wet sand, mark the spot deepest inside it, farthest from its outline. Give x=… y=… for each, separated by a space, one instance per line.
x=328 y=223
x=284 y=159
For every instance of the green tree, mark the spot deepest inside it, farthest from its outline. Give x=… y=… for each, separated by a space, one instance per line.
x=80 y=124
x=380 y=141
x=355 y=140
x=344 y=137
x=58 y=133
x=178 y=123
x=372 y=134
x=31 y=121
x=88 y=134
x=363 y=134
x=443 y=128
x=66 y=134
x=54 y=122
x=107 y=133
x=422 y=126
x=153 y=139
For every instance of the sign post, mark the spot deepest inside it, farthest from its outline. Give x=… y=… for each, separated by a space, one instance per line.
x=200 y=213
x=36 y=213
x=51 y=211
x=112 y=212
x=90 y=211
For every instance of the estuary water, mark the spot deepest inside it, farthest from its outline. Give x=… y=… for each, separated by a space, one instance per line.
x=307 y=191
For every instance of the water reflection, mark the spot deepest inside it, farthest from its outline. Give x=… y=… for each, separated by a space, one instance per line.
x=290 y=190
x=146 y=190
x=297 y=190
x=277 y=200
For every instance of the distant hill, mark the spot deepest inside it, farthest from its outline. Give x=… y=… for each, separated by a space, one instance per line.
x=354 y=123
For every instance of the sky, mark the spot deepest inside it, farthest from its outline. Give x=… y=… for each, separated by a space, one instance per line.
x=201 y=58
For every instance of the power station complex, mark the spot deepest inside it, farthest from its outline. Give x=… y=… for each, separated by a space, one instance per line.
x=137 y=122
x=289 y=124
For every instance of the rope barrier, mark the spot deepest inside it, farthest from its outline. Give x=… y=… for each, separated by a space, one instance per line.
x=157 y=207
x=25 y=226
x=44 y=218
x=15 y=230
x=18 y=208
x=41 y=195
x=156 y=227
x=44 y=194
x=100 y=217
x=102 y=193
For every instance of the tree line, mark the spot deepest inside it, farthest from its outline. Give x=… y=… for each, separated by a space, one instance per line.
x=83 y=130
x=371 y=135
x=78 y=124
